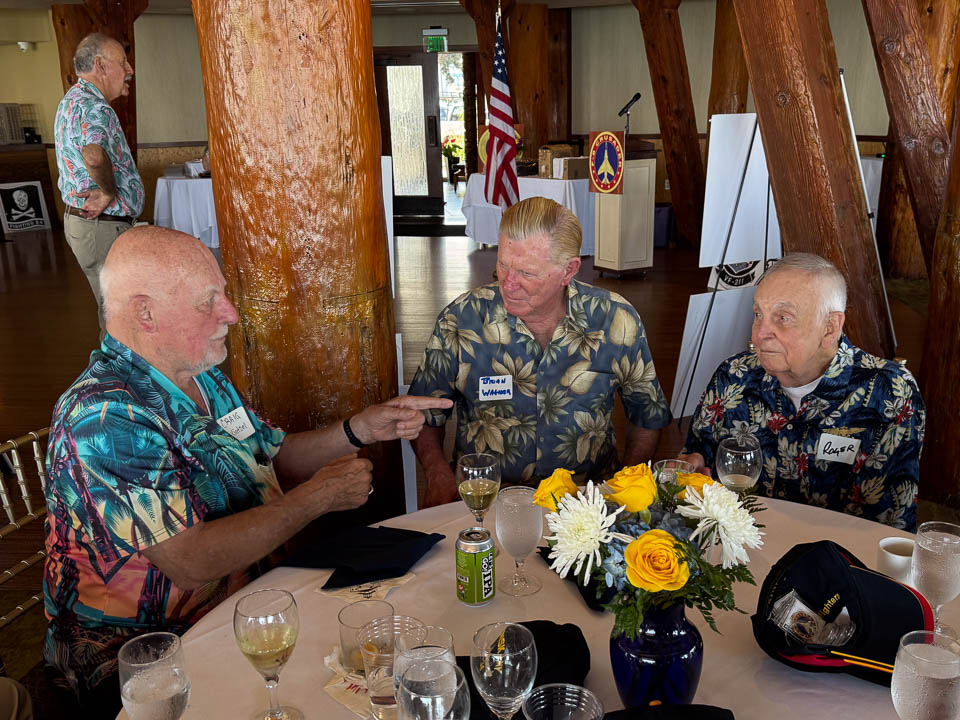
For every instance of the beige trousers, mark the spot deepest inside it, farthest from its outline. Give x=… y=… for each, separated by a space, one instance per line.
x=15 y=703
x=90 y=241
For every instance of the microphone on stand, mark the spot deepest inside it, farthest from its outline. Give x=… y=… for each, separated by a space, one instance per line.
x=626 y=108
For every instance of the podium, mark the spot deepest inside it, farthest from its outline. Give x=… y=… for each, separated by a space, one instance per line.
x=623 y=224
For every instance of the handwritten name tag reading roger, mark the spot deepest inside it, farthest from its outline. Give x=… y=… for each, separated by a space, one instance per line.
x=237 y=424
x=836 y=448
x=496 y=387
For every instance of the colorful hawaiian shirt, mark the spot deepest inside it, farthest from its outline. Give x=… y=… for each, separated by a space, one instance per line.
x=84 y=117
x=853 y=445
x=541 y=409
x=132 y=461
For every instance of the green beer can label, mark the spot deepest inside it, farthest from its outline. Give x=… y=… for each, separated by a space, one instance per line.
x=475 y=579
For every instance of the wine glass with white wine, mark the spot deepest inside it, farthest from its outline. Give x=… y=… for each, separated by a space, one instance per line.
x=926 y=677
x=266 y=623
x=153 y=682
x=739 y=462
x=478 y=481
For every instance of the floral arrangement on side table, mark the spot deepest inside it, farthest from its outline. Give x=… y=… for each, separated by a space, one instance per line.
x=451 y=147
x=648 y=548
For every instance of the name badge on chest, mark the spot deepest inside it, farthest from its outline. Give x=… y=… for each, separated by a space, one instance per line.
x=237 y=424
x=496 y=387
x=836 y=448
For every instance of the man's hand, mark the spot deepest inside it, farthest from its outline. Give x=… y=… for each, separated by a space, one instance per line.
x=396 y=418
x=343 y=484
x=96 y=202
x=698 y=462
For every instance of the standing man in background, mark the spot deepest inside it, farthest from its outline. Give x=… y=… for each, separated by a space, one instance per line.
x=99 y=181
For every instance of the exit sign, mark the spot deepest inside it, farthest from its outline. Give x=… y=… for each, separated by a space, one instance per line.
x=435 y=40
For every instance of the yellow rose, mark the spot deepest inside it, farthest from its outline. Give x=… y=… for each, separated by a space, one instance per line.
x=694 y=480
x=551 y=489
x=633 y=487
x=653 y=563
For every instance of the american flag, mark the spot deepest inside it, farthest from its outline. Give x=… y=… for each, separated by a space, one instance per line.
x=501 y=171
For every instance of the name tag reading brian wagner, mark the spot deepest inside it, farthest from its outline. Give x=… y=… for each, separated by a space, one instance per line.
x=836 y=448
x=237 y=424
x=496 y=387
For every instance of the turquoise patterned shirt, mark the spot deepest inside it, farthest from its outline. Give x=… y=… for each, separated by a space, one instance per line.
x=560 y=405
x=84 y=117
x=132 y=461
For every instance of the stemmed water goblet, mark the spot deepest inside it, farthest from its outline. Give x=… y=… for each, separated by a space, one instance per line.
x=266 y=624
x=936 y=564
x=153 y=681
x=503 y=663
x=519 y=529
x=926 y=676
x=433 y=690
x=739 y=462
x=478 y=481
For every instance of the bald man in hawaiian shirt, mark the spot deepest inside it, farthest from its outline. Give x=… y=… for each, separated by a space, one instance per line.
x=534 y=361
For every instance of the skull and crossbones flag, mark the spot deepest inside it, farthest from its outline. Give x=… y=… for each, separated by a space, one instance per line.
x=22 y=207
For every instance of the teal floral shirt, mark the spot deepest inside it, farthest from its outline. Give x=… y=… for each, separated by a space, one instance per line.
x=853 y=445
x=84 y=117
x=541 y=409
x=132 y=461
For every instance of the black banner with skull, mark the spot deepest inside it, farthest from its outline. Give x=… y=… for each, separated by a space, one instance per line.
x=23 y=207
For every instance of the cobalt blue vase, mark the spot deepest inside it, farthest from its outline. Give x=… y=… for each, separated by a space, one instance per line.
x=662 y=663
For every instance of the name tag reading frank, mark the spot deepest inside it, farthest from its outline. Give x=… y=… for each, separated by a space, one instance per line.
x=496 y=387
x=237 y=424
x=836 y=448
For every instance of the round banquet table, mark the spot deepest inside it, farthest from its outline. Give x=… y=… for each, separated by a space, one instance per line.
x=737 y=674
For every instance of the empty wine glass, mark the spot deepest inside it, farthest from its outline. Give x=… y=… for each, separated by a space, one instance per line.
x=666 y=471
x=936 y=564
x=153 y=682
x=266 y=623
x=478 y=481
x=519 y=529
x=739 y=461
x=926 y=677
x=503 y=662
x=433 y=690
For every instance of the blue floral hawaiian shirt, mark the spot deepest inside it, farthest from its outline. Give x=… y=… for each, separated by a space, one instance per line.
x=541 y=409
x=873 y=403
x=132 y=461
x=84 y=117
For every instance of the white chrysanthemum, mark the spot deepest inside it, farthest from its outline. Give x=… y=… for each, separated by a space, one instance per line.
x=722 y=516
x=580 y=526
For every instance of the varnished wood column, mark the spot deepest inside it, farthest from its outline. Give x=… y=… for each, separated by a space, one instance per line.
x=470 y=158
x=729 y=79
x=815 y=176
x=529 y=74
x=295 y=159
x=667 y=60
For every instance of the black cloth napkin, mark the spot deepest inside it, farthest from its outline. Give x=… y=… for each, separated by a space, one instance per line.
x=365 y=554
x=589 y=591
x=671 y=712
x=562 y=657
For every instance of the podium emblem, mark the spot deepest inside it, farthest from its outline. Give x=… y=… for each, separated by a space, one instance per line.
x=606 y=162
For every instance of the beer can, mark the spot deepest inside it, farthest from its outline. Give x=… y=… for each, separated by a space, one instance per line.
x=475 y=581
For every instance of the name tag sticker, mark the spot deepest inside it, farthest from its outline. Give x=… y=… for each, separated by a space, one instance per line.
x=836 y=448
x=496 y=387
x=237 y=424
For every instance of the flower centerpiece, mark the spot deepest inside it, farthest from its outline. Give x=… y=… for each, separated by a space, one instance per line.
x=452 y=148
x=647 y=549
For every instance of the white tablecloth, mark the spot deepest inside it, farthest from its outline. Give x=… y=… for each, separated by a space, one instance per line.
x=736 y=673
x=186 y=204
x=483 y=219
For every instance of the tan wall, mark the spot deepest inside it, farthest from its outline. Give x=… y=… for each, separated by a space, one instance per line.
x=32 y=77
x=407 y=30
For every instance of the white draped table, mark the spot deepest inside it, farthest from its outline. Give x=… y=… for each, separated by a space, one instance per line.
x=737 y=674
x=186 y=204
x=483 y=219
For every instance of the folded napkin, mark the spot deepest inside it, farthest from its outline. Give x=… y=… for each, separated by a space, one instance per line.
x=562 y=657
x=671 y=712
x=365 y=554
x=589 y=591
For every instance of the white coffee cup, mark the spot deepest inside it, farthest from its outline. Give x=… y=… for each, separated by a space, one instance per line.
x=894 y=555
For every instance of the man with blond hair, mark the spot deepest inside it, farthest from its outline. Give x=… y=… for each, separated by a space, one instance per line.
x=533 y=363
x=838 y=427
x=166 y=490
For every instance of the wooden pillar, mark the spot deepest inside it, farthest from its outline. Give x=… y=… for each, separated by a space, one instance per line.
x=529 y=74
x=481 y=92
x=484 y=14
x=940 y=372
x=295 y=154
x=913 y=102
x=663 y=42
x=471 y=160
x=729 y=79
x=559 y=62
x=816 y=180
x=115 y=18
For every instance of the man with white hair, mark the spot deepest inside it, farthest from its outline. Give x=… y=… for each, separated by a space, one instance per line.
x=838 y=427
x=166 y=491
x=99 y=181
